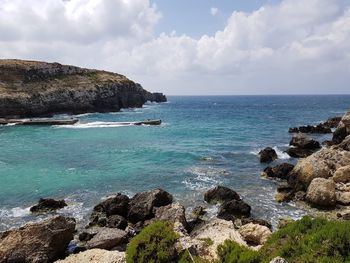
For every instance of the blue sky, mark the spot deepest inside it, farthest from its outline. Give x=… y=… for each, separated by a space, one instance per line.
x=193 y=17
x=190 y=47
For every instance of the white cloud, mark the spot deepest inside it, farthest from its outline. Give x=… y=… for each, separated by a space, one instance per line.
x=296 y=46
x=214 y=11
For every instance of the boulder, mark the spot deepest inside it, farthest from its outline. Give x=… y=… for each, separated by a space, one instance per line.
x=342 y=175
x=116 y=221
x=255 y=234
x=343 y=198
x=107 y=238
x=279 y=171
x=267 y=155
x=47 y=205
x=303 y=142
x=220 y=194
x=143 y=204
x=320 y=164
x=173 y=212
x=116 y=205
x=278 y=260
x=321 y=193
x=342 y=130
x=37 y=242
x=299 y=152
x=232 y=209
x=95 y=256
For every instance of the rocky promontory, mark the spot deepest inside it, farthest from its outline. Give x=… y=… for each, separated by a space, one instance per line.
x=32 y=89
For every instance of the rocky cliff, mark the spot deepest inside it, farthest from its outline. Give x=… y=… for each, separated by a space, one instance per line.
x=31 y=88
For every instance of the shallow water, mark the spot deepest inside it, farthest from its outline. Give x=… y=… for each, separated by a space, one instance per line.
x=203 y=141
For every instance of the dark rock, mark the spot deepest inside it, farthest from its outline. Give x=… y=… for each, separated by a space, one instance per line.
x=199 y=211
x=116 y=221
x=320 y=128
x=142 y=204
x=232 y=209
x=220 y=194
x=191 y=224
x=47 y=205
x=86 y=236
x=267 y=155
x=344 y=145
x=79 y=249
x=343 y=129
x=42 y=242
x=279 y=171
x=304 y=142
x=332 y=122
x=117 y=205
x=298 y=152
x=284 y=186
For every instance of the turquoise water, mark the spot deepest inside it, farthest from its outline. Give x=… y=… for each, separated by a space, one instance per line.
x=203 y=141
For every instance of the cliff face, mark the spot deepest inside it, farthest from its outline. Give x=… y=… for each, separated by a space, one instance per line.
x=30 y=88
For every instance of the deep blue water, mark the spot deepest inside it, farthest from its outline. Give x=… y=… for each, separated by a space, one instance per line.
x=203 y=142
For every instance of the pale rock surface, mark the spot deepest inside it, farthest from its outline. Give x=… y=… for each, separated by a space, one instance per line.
x=95 y=256
x=255 y=234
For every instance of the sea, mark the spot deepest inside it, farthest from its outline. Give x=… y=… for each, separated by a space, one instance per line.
x=203 y=141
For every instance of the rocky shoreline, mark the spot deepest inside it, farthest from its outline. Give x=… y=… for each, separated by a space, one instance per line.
x=37 y=89
x=320 y=182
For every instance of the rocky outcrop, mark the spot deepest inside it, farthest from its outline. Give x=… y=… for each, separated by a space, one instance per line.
x=280 y=171
x=220 y=194
x=302 y=146
x=95 y=256
x=142 y=204
x=255 y=234
x=37 y=242
x=342 y=130
x=321 y=193
x=267 y=155
x=47 y=205
x=320 y=128
x=30 y=88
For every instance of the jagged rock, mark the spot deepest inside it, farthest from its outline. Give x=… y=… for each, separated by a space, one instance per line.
x=299 y=152
x=278 y=260
x=255 y=234
x=116 y=221
x=116 y=205
x=173 y=212
x=37 y=242
x=342 y=130
x=47 y=205
x=332 y=122
x=107 y=238
x=342 y=175
x=95 y=256
x=232 y=209
x=279 y=171
x=31 y=88
x=267 y=155
x=344 y=145
x=320 y=164
x=220 y=194
x=321 y=193
x=143 y=204
x=303 y=142
x=217 y=231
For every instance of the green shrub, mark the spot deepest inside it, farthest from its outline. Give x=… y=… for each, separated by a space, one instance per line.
x=310 y=240
x=231 y=252
x=154 y=244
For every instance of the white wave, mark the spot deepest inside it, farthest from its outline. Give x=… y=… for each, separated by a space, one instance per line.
x=15 y=212
x=96 y=124
x=281 y=154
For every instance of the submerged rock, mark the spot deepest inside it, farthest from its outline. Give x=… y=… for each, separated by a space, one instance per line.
x=267 y=155
x=47 y=205
x=321 y=193
x=142 y=204
x=220 y=194
x=41 y=242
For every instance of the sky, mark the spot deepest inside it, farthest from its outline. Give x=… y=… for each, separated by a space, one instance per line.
x=190 y=47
